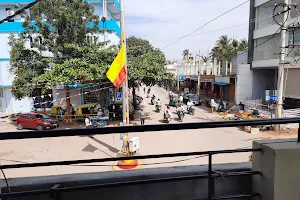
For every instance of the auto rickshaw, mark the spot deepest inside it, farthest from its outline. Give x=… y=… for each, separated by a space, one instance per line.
x=86 y=109
x=173 y=100
x=55 y=110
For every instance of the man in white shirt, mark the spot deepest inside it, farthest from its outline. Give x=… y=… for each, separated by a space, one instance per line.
x=181 y=98
x=88 y=123
x=190 y=104
x=212 y=105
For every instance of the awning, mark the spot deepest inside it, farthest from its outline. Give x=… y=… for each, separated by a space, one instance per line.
x=221 y=83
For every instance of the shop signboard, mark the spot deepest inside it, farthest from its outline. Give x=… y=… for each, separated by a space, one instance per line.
x=207 y=78
x=271 y=95
x=181 y=77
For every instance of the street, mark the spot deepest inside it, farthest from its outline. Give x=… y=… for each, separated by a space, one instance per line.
x=103 y=146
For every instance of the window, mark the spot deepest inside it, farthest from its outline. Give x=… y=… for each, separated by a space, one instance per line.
x=267 y=50
x=264 y=14
x=1 y=93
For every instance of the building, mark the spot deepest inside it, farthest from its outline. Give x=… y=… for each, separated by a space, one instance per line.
x=8 y=103
x=217 y=79
x=264 y=49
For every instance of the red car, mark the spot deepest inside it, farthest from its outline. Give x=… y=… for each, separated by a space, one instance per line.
x=36 y=121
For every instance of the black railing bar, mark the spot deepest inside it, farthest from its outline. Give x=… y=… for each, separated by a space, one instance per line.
x=144 y=128
x=118 y=184
x=74 y=162
x=236 y=196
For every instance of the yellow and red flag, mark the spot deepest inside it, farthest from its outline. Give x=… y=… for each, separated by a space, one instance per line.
x=117 y=71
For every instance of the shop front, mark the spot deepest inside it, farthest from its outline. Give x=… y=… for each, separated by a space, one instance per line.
x=224 y=88
x=206 y=85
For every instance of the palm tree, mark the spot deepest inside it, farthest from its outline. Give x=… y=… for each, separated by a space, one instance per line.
x=224 y=48
x=205 y=58
x=185 y=53
x=243 y=45
x=235 y=45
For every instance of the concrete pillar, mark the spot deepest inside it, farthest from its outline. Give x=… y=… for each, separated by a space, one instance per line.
x=279 y=163
x=230 y=68
x=219 y=68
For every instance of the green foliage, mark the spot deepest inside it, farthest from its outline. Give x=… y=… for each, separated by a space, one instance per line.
x=62 y=54
x=145 y=63
x=226 y=48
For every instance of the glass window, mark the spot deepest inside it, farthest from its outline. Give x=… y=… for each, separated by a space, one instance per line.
x=42 y=116
x=1 y=93
x=295 y=12
x=294 y=52
x=264 y=14
x=268 y=50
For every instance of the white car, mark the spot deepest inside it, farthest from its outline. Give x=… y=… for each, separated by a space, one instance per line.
x=195 y=98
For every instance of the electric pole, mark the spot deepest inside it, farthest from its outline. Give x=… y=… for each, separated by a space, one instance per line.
x=280 y=82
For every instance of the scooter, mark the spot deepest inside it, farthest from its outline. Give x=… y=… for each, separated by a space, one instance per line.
x=158 y=108
x=167 y=118
x=152 y=100
x=180 y=115
x=191 y=110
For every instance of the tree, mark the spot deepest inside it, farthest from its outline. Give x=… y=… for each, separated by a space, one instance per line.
x=243 y=45
x=145 y=63
x=185 y=53
x=62 y=27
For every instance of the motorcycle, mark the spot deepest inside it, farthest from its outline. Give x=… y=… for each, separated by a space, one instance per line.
x=158 y=108
x=180 y=115
x=152 y=100
x=191 y=110
x=167 y=118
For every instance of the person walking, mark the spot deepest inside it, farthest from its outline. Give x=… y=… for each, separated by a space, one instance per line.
x=88 y=123
x=142 y=117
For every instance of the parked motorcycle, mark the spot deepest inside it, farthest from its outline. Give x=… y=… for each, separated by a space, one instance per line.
x=191 y=110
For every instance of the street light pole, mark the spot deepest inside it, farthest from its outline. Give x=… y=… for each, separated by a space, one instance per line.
x=199 y=72
x=125 y=84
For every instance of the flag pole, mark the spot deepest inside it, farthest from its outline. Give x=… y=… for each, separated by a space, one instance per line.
x=125 y=84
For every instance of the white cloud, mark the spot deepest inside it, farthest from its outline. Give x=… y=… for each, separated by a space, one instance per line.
x=163 y=21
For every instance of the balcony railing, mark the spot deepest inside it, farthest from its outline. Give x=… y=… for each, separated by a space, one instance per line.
x=56 y=189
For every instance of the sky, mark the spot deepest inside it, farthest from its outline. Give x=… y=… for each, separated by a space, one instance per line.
x=163 y=21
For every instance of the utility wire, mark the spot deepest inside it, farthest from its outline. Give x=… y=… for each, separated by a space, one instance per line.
x=206 y=24
x=19 y=11
x=216 y=30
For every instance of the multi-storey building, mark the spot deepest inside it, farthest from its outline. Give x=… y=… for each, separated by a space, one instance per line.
x=104 y=8
x=264 y=49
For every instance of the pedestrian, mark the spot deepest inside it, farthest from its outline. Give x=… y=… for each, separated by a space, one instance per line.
x=144 y=90
x=181 y=98
x=142 y=117
x=212 y=105
x=88 y=123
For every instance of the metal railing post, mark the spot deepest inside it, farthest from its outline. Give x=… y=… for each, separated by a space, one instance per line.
x=210 y=178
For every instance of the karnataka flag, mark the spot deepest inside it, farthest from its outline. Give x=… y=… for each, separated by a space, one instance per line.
x=117 y=72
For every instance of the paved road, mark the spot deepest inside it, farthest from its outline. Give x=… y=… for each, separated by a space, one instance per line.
x=103 y=146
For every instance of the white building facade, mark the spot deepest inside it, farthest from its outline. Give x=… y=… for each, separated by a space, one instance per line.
x=110 y=9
